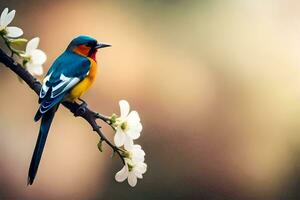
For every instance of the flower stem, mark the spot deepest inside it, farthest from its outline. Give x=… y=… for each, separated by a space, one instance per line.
x=106 y=119
x=8 y=46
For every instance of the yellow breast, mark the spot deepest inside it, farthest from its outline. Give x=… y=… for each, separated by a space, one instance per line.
x=79 y=89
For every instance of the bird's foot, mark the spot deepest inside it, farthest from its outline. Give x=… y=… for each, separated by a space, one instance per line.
x=82 y=107
x=82 y=101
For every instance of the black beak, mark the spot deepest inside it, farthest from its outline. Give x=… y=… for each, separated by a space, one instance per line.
x=98 y=46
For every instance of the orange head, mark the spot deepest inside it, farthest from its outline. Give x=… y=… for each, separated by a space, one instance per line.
x=85 y=46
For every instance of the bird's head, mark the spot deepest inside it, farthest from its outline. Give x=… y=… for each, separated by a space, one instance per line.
x=85 y=46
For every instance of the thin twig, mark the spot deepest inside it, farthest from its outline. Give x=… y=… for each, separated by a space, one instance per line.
x=77 y=109
x=12 y=50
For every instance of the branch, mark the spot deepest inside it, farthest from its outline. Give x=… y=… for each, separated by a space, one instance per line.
x=80 y=110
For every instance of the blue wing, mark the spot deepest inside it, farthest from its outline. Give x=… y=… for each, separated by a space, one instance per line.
x=67 y=70
x=65 y=73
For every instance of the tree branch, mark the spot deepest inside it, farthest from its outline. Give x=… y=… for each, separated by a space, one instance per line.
x=77 y=109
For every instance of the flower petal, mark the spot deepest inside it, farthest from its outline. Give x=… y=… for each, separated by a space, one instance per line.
x=134 y=116
x=132 y=180
x=138 y=159
x=133 y=120
x=138 y=154
x=14 y=32
x=137 y=150
x=134 y=132
x=124 y=108
x=119 y=137
x=32 y=45
x=9 y=17
x=137 y=146
x=3 y=16
x=35 y=69
x=128 y=143
x=122 y=174
x=141 y=168
x=138 y=174
x=38 y=57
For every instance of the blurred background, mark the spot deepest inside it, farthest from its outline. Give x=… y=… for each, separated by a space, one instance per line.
x=216 y=83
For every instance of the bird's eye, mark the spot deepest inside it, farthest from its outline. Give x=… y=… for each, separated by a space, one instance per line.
x=91 y=44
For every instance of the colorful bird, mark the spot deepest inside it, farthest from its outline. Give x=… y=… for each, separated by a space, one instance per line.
x=69 y=77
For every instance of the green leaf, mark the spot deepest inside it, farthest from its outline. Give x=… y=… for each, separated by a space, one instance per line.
x=100 y=146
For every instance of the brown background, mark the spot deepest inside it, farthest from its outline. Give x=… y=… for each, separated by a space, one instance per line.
x=216 y=83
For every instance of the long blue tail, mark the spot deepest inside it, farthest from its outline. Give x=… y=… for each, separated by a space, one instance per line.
x=40 y=143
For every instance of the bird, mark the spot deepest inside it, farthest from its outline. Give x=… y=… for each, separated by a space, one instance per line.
x=68 y=78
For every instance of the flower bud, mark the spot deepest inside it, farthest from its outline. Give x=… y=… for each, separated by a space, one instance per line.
x=18 y=42
x=113 y=118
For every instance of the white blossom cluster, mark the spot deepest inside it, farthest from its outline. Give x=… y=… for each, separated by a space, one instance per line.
x=128 y=128
x=33 y=58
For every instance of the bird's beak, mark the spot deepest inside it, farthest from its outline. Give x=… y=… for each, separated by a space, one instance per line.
x=98 y=46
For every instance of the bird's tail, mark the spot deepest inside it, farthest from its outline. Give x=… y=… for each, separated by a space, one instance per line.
x=40 y=143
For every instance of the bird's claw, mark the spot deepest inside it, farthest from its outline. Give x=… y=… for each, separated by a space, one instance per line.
x=81 y=109
x=81 y=100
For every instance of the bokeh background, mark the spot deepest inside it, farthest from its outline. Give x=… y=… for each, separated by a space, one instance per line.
x=216 y=83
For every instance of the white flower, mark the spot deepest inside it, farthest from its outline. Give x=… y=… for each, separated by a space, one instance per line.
x=134 y=166
x=5 y=19
x=35 y=58
x=136 y=154
x=128 y=126
x=131 y=173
